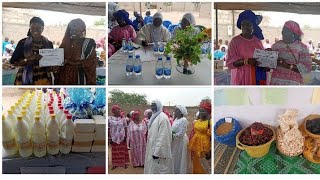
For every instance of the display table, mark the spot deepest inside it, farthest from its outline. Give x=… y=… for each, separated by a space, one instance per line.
x=117 y=73
x=72 y=163
x=275 y=163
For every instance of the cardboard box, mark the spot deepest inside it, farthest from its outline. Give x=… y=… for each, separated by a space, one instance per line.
x=83 y=137
x=100 y=136
x=84 y=125
x=100 y=125
x=81 y=146
x=98 y=149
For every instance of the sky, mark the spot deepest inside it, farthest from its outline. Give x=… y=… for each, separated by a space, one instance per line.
x=172 y=96
x=56 y=18
x=302 y=19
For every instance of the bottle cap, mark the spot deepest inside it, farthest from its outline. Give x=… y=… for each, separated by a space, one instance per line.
x=130 y=56
x=23 y=113
x=10 y=111
x=137 y=56
x=159 y=58
x=61 y=107
x=168 y=58
x=37 y=113
x=19 y=118
x=53 y=116
x=3 y=117
x=51 y=112
x=69 y=116
x=66 y=111
x=37 y=118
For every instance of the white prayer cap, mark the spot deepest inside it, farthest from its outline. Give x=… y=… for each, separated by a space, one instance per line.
x=158 y=15
x=190 y=18
x=182 y=109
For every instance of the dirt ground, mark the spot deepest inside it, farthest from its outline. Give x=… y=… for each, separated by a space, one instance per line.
x=175 y=17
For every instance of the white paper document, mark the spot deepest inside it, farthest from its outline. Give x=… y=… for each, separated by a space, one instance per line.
x=266 y=58
x=51 y=57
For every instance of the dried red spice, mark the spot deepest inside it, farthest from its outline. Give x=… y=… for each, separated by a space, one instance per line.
x=255 y=135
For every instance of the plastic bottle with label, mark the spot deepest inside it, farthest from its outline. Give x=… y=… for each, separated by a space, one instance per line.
x=66 y=135
x=53 y=136
x=8 y=140
x=39 y=137
x=23 y=137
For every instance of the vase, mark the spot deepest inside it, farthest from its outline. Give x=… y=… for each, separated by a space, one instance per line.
x=185 y=67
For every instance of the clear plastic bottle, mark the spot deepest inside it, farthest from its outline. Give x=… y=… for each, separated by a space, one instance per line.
x=161 y=48
x=167 y=68
x=23 y=137
x=59 y=114
x=124 y=45
x=130 y=46
x=8 y=140
x=137 y=66
x=26 y=118
x=53 y=136
x=39 y=137
x=155 y=49
x=64 y=116
x=66 y=135
x=159 y=68
x=129 y=65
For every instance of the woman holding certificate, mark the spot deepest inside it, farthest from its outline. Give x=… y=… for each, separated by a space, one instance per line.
x=294 y=58
x=27 y=56
x=239 y=59
x=80 y=56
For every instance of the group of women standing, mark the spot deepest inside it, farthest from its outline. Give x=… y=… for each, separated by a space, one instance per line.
x=79 y=66
x=148 y=34
x=294 y=59
x=186 y=151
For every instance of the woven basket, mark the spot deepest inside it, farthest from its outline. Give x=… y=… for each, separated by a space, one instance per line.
x=229 y=138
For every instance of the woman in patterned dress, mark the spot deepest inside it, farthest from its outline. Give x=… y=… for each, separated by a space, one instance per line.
x=26 y=56
x=80 y=56
x=137 y=140
x=118 y=130
x=294 y=58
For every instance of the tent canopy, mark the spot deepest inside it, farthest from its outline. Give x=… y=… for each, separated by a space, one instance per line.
x=87 y=8
x=290 y=7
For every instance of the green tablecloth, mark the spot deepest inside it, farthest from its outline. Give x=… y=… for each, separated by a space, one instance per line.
x=275 y=163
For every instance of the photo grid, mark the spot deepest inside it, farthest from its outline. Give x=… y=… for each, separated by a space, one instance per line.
x=208 y=87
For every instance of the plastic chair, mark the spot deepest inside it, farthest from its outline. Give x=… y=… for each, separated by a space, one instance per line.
x=166 y=24
x=172 y=27
x=200 y=28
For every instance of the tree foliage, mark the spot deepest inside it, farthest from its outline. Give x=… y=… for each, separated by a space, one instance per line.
x=100 y=22
x=120 y=97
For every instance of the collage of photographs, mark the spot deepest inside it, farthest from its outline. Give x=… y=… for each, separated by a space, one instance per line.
x=208 y=87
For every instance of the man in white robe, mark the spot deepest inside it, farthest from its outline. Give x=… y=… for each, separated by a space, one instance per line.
x=158 y=159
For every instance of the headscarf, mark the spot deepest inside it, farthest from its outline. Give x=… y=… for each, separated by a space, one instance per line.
x=206 y=105
x=115 y=107
x=254 y=19
x=155 y=114
x=135 y=114
x=146 y=112
x=294 y=27
x=156 y=31
x=124 y=15
x=66 y=41
x=190 y=18
x=158 y=15
x=182 y=109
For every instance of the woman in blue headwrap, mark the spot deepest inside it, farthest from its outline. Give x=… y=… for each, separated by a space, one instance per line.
x=239 y=59
x=125 y=29
x=26 y=56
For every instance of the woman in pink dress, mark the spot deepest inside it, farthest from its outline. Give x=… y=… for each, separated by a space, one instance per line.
x=118 y=130
x=294 y=58
x=136 y=140
x=123 y=30
x=239 y=59
x=147 y=115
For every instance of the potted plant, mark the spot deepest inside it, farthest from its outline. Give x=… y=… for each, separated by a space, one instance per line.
x=186 y=48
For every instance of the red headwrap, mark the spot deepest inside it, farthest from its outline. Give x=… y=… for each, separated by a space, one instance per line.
x=135 y=114
x=206 y=105
x=115 y=107
x=294 y=27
